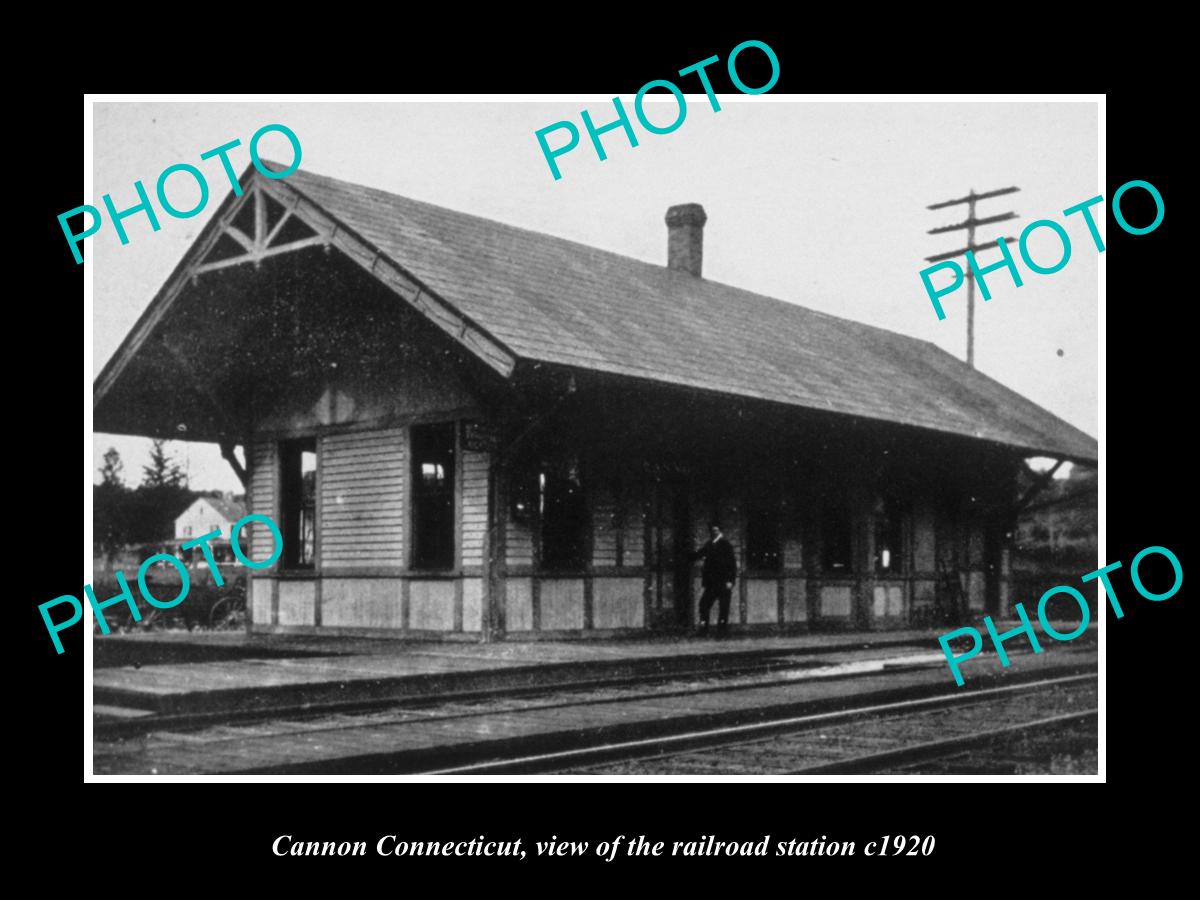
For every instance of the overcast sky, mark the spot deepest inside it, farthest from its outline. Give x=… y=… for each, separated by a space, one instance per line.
x=820 y=204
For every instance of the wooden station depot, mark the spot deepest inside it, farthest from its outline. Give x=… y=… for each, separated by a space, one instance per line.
x=474 y=431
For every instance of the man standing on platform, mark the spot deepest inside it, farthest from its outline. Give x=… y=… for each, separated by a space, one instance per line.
x=717 y=577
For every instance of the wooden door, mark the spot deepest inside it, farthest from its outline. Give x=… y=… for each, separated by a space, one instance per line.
x=672 y=543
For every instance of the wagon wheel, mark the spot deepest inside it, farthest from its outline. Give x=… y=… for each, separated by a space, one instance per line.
x=227 y=613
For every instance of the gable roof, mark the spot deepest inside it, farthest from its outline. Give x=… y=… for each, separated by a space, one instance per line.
x=231 y=510
x=552 y=300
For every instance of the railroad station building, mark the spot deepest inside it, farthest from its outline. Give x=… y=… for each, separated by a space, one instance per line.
x=468 y=430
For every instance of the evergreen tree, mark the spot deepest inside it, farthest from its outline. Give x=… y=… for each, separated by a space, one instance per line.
x=111 y=510
x=163 y=471
x=162 y=495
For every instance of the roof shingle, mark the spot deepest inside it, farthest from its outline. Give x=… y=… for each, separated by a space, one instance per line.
x=557 y=301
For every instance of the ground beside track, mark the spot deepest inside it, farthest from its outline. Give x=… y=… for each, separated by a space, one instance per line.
x=407 y=739
x=815 y=745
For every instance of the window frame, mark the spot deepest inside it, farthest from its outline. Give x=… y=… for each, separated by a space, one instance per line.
x=894 y=511
x=418 y=495
x=291 y=517
x=845 y=515
x=762 y=511
x=558 y=472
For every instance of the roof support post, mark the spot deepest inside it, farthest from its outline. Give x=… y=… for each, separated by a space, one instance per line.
x=227 y=447
x=1036 y=488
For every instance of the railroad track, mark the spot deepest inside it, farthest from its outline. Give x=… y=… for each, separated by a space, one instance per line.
x=618 y=725
x=112 y=729
x=1067 y=749
x=896 y=736
x=590 y=690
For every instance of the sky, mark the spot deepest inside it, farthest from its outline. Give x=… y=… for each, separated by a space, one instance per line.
x=817 y=203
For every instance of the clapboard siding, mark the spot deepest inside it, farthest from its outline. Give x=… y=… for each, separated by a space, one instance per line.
x=262 y=497
x=375 y=480
x=518 y=542
x=362 y=498
x=354 y=528
x=634 y=537
x=604 y=535
x=352 y=464
x=474 y=506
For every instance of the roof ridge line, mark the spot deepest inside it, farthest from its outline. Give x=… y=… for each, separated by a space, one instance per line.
x=591 y=248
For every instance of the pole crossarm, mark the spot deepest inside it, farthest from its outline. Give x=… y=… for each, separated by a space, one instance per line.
x=971 y=223
x=973 y=248
x=973 y=196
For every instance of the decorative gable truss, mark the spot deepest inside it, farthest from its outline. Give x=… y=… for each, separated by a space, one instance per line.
x=258 y=226
x=271 y=218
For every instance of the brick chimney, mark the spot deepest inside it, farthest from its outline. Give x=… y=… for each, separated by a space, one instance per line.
x=685 y=238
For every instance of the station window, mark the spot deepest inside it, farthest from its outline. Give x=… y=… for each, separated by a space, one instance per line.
x=762 y=537
x=563 y=513
x=836 y=539
x=889 y=537
x=433 y=495
x=298 y=460
x=523 y=497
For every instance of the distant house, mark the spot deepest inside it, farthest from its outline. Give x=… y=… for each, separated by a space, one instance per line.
x=466 y=429
x=208 y=514
x=1062 y=525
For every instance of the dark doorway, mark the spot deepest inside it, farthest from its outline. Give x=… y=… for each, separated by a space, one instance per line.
x=681 y=527
x=433 y=496
x=993 y=556
x=950 y=596
x=298 y=462
x=671 y=546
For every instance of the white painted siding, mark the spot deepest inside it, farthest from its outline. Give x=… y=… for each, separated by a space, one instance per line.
x=362 y=483
x=474 y=506
x=263 y=478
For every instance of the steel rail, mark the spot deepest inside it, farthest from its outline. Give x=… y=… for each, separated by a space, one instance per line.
x=120 y=728
x=117 y=729
x=737 y=733
x=929 y=750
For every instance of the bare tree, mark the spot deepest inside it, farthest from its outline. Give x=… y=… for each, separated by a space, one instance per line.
x=110 y=472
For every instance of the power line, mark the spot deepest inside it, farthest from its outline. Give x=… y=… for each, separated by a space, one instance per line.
x=970 y=225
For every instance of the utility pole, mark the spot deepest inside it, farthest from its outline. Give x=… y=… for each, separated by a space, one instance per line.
x=970 y=224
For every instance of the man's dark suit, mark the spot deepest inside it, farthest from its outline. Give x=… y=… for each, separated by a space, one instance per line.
x=720 y=569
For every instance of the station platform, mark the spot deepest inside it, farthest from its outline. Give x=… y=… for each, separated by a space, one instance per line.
x=181 y=673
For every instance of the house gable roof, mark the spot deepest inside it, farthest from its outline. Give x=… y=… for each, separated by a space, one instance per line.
x=230 y=510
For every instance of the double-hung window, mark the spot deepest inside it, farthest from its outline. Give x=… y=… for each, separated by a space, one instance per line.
x=763 y=526
x=836 y=540
x=298 y=459
x=563 y=514
x=889 y=537
x=433 y=496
